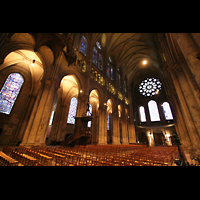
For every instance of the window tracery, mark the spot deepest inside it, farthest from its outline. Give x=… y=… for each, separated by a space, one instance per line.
x=150 y=87
x=100 y=65
x=10 y=91
x=142 y=114
x=153 y=111
x=72 y=111
x=94 y=56
x=83 y=47
x=167 y=111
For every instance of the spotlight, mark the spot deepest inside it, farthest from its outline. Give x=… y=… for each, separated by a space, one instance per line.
x=33 y=63
x=144 y=62
x=81 y=91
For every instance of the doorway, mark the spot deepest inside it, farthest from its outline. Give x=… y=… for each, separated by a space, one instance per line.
x=158 y=138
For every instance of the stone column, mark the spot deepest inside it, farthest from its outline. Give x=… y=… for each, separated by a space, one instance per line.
x=189 y=50
x=82 y=104
x=102 y=125
x=95 y=125
x=151 y=138
x=189 y=98
x=124 y=130
x=131 y=131
x=35 y=133
x=191 y=129
x=58 y=121
x=20 y=132
x=116 y=131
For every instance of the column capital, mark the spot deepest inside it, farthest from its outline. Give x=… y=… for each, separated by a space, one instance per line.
x=82 y=97
x=50 y=81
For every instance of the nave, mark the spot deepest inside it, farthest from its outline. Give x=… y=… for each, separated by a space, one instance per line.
x=90 y=155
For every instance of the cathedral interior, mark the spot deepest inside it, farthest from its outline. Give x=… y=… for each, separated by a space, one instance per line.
x=140 y=89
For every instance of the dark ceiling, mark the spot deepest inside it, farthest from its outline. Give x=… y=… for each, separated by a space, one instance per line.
x=128 y=50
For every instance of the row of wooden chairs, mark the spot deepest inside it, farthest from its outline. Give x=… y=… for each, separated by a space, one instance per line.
x=110 y=160
x=6 y=160
x=41 y=158
x=162 y=156
x=23 y=160
x=97 y=155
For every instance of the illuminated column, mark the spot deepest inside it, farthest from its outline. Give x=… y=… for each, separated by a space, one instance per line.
x=150 y=138
x=189 y=50
x=183 y=100
x=102 y=125
x=167 y=137
x=82 y=104
x=116 y=131
x=36 y=129
x=124 y=130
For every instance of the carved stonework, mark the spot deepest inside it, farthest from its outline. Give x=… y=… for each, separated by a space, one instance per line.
x=71 y=58
x=178 y=69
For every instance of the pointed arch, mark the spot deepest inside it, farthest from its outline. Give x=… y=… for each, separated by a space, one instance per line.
x=167 y=111
x=142 y=114
x=153 y=111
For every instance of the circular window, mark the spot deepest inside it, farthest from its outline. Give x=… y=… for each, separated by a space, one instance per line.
x=150 y=87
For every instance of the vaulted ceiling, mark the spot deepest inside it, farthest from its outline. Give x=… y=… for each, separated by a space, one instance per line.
x=129 y=50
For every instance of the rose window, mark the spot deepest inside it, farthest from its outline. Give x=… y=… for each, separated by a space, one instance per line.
x=150 y=87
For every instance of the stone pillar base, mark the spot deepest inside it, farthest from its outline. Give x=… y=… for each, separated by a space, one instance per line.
x=28 y=145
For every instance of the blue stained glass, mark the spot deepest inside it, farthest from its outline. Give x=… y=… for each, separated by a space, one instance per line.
x=118 y=80
x=108 y=70
x=72 y=111
x=9 y=92
x=111 y=70
x=100 y=62
x=98 y=45
x=108 y=120
x=94 y=56
x=83 y=47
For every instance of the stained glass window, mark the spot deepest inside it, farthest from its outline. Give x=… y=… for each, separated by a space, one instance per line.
x=111 y=70
x=100 y=62
x=83 y=47
x=98 y=45
x=108 y=70
x=142 y=114
x=167 y=111
x=153 y=110
x=72 y=111
x=89 y=114
x=94 y=56
x=150 y=87
x=9 y=92
x=118 y=80
x=108 y=120
x=125 y=87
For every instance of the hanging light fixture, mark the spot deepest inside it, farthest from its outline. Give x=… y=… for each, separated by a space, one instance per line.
x=103 y=40
x=144 y=62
